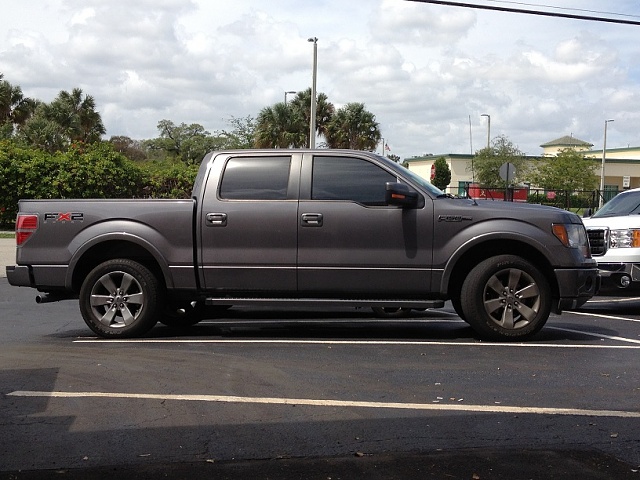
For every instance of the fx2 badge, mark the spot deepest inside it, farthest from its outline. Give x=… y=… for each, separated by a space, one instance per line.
x=63 y=217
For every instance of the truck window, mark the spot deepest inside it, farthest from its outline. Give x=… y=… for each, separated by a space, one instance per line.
x=354 y=179
x=255 y=178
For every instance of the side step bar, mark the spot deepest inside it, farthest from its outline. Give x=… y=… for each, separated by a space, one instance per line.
x=322 y=302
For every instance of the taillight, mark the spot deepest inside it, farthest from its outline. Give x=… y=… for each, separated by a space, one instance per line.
x=25 y=226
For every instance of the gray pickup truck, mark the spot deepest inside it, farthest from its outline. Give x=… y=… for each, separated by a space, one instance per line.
x=304 y=228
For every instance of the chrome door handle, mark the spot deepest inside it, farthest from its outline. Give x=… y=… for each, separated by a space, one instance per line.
x=216 y=219
x=312 y=219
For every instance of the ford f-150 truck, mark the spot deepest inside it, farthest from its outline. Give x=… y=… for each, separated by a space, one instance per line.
x=304 y=227
x=614 y=235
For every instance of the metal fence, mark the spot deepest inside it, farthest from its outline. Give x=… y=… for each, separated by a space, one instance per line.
x=582 y=202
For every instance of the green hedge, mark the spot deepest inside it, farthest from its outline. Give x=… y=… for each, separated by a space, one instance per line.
x=85 y=171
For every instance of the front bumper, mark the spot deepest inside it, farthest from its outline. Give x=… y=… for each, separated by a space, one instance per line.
x=576 y=286
x=630 y=269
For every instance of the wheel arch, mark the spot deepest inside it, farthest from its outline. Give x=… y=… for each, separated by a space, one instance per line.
x=464 y=260
x=110 y=247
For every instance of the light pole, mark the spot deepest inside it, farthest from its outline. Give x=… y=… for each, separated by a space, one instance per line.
x=488 y=129
x=287 y=93
x=312 y=120
x=604 y=155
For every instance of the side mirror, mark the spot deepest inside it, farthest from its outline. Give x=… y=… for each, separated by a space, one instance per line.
x=587 y=212
x=400 y=195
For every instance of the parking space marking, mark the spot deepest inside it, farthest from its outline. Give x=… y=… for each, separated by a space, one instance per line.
x=614 y=300
x=608 y=317
x=458 y=407
x=597 y=335
x=112 y=341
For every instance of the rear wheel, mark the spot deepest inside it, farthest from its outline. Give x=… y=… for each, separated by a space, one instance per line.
x=120 y=298
x=506 y=298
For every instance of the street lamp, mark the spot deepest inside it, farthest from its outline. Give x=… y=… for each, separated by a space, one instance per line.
x=312 y=120
x=604 y=155
x=488 y=129
x=287 y=93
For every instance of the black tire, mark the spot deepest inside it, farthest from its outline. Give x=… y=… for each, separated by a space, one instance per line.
x=120 y=298
x=457 y=307
x=391 y=312
x=506 y=298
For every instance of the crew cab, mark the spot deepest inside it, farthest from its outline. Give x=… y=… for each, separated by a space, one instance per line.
x=304 y=227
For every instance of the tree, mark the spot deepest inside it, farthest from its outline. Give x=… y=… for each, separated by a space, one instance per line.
x=15 y=108
x=487 y=163
x=242 y=135
x=132 y=149
x=442 y=176
x=188 y=143
x=570 y=170
x=352 y=126
x=70 y=118
x=324 y=112
x=77 y=116
x=280 y=126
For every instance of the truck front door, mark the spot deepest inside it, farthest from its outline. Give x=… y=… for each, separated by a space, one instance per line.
x=350 y=242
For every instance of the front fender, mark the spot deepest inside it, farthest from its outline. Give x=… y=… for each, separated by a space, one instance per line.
x=491 y=238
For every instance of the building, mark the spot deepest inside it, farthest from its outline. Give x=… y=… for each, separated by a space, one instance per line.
x=622 y=165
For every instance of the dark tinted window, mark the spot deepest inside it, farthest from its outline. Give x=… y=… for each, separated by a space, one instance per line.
x=256 y=178
x=339 y=178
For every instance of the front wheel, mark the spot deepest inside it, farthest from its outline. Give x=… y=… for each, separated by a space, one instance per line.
x=506 y=298
x=120 y=298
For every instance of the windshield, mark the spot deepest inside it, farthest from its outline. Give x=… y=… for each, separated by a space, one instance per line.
x=623 y=204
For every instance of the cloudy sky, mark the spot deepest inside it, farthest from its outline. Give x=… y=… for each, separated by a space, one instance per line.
x=428 y=72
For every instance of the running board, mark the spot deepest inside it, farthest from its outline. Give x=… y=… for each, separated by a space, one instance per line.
x=322 y=302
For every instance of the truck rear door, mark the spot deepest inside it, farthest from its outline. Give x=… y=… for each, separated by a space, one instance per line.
x=249 y=224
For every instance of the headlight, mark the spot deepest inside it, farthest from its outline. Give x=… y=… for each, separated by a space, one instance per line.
x=628 y=238
x=573 y=235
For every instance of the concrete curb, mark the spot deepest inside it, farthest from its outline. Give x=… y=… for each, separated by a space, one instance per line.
x=7 y=254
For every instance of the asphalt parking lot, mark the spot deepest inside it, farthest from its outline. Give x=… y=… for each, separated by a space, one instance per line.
x=267 y=395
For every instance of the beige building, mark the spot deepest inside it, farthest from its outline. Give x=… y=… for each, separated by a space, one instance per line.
x=622 y=165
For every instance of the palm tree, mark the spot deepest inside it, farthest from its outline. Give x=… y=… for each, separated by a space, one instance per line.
x=77 y=116
x=15 y=108
x=280 y=126
x=324 y=111
x=70 y=118
x=352 y=126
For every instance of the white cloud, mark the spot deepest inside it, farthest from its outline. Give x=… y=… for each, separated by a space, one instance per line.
x=422 y=69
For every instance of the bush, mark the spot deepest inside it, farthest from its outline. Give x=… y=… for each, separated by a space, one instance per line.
x=85 y=171
x=169 y=179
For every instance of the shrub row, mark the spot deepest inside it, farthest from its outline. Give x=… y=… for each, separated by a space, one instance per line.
x=84 y=171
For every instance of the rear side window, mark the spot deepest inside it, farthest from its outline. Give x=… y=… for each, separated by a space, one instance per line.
x=256 y=178
x=354 y=179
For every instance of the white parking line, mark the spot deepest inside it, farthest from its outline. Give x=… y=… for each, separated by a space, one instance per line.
x=608 y=317
x=614 y=300
x=597 y=335
x=102 y=341
x=335 y=403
